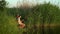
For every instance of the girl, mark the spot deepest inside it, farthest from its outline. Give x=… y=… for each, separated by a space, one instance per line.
x=20 y=22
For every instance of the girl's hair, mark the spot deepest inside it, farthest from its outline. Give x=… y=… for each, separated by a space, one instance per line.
x=17 y=15
x=22 y=20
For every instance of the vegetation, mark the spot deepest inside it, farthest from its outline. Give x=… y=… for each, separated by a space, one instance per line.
x=40 y=19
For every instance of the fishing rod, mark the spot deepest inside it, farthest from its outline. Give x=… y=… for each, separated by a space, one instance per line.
x=21 y=24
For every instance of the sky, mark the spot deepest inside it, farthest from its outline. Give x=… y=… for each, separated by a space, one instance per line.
x=14 y=3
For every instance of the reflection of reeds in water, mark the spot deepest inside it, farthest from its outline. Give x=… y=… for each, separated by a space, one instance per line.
x=36 y=29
